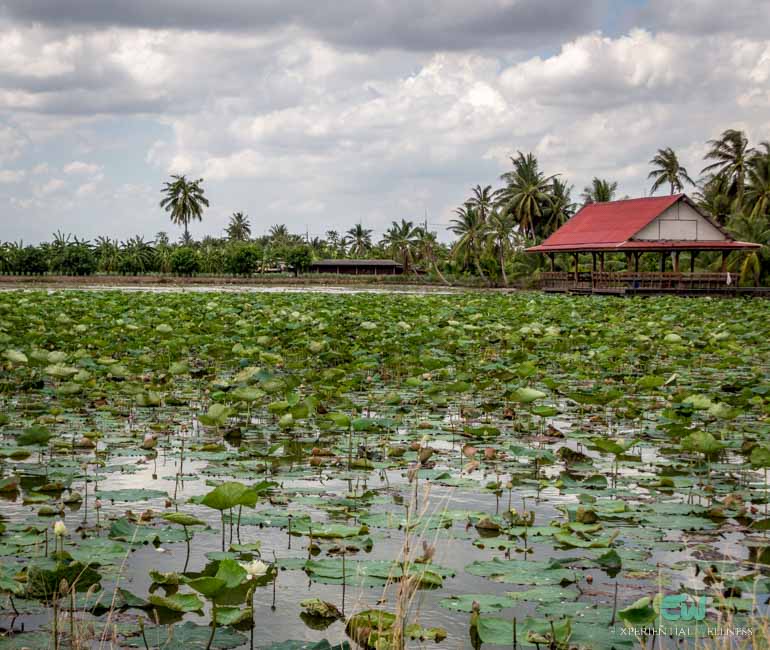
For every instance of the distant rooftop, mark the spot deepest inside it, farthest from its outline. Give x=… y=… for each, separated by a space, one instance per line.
x=347 y=262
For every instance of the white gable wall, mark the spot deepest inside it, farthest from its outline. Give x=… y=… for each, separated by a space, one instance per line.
x=681 y=222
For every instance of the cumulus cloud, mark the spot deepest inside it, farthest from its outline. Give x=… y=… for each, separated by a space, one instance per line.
x=80 y=167
x=422 y=25
x=8 y=176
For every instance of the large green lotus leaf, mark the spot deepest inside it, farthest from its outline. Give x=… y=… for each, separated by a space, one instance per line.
x=183 y=519
x=177 y=602
x=26 y=641
x=44 y=575
x=16 y=356
x=527 y=395
x=545 y=594
x=37 y=434
x=524 y=572
x=233 y=615
x=499 y=631
x=638 y=613
x=305 y=645
x=99 y=551
x=125 y=531
x=229 y=495
x=760 y=456
x=486 y=602
x=209 y=586
x=131 y=494
x=189 y=636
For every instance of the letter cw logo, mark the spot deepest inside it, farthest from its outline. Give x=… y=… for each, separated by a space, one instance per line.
x=683 y=607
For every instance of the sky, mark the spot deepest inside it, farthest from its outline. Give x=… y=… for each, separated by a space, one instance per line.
x=323 y=115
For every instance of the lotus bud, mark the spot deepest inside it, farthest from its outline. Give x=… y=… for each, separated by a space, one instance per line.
x=98 y=504
x=59 y=529
x=589 y=579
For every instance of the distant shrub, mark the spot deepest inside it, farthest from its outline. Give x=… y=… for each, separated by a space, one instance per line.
x=185 y=261
x=242 y=259
x=74 y=259
x=299 y=258
x=31 y=260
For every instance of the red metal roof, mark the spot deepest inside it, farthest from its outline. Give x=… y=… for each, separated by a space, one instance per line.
x=609 y=223
x=612 y=225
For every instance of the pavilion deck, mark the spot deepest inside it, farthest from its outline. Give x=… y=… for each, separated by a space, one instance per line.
x=641 y=283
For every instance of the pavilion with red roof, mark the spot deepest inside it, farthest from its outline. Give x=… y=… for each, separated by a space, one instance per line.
x=665 y=226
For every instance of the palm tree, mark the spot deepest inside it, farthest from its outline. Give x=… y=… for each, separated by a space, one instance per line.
x=239 y=228
x=731 y=154
x=751 y=264
x=426 y=247
x=107 y=254
x=713 y=198
x=758 y=183
x=161 y=238
x=527 y=193
x=483 y=200
x=599 y=191
x=360 y=240
x=499 y=236
x=668 y=170
x=400 y=241
x=560 y=209
x=184 y=200
x=136 y=255
x=470 y=230
x=279 y=234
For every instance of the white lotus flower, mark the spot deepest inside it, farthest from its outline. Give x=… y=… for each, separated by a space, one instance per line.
x=255 y=569
x=59 y=529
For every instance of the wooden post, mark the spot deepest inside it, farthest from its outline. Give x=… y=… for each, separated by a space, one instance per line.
x=724 y=261
x=593 y=262
x=676 y=261
x=693 y=254
x=628 y=261
x=637 y=255
x=662 y=262
x=576 y=266
x=601 y=262
x=552 y=256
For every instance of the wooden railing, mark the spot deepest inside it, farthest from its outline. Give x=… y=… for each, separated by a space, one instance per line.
x=605 y=282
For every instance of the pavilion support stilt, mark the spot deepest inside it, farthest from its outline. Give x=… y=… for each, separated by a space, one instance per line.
x=636 y=262
x=628 y=261
x=693 y=255
x=662 y=262
x=676 y=262
x=593 y=262
x=552 y=257
x=724 y=261
x=601 y=262
x=575 y=256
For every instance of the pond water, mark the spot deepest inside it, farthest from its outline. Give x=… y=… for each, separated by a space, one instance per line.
x=560 y=460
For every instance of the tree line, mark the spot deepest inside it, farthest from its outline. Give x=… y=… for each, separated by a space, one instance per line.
x=492 y=227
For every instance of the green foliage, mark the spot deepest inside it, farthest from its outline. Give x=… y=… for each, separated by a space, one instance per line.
x=299 y=258
x=185 y=261
x=243 y=259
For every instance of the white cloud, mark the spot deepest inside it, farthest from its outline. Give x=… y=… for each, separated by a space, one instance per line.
x=79 y=167
x=11 y=175
x=52 y=186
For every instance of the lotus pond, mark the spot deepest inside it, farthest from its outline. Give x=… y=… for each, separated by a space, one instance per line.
x=265 y=470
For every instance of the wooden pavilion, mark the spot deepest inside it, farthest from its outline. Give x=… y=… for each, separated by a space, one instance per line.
x=665 y=226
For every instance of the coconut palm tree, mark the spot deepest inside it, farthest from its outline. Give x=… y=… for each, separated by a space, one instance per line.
x=399 y=240
x=184 y=201
x=667 y=169
x=426 y=248
x=107 y=253
x=527 y=193
x=499 y=237
x=751 y=264
x=239 y=227
x=599 y=191
x=483 y=200
x=731 y=155
x=714 y=198
x=360 y=240
x=560 y=209
x=471 y=230
x=757 y=194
